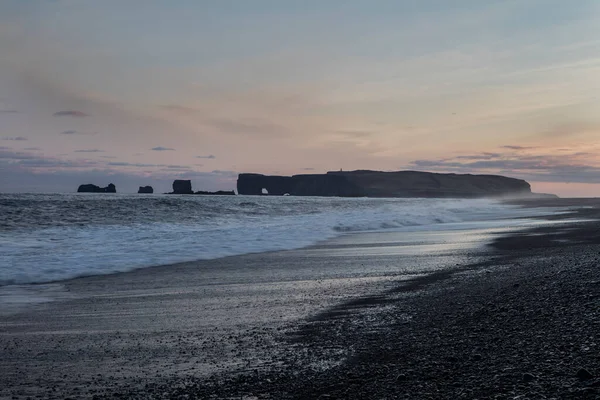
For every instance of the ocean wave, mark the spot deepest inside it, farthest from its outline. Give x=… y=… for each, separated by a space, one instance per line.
x=196 y=229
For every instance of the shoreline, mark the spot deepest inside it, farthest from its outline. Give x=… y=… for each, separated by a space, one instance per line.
x=522 y=323
x=158 y=339
x=533 y=219
x=67 y=261
x=12 y=296
x=16 y=298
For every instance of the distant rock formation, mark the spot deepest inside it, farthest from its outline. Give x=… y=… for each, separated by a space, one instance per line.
x=181 y=186
x=365 y=183
x=89 y=188
x=185 y=187
x=217 y=193
x=146 y=189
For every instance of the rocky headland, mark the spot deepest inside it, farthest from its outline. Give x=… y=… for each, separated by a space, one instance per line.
x=360 y=183
x=364 y=183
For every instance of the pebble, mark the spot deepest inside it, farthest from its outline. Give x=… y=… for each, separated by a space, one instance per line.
x=527 y=377
x=584 y=375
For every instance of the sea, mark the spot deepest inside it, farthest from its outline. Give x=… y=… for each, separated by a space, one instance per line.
x=53 y=237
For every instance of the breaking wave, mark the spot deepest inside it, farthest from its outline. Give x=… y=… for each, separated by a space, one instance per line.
x=54 y=237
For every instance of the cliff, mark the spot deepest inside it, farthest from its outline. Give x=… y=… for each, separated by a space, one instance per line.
x=383 y=184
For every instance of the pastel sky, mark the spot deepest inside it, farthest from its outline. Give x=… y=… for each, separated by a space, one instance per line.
x=140 y=92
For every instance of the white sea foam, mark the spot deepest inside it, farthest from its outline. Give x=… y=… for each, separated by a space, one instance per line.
x=60 y=252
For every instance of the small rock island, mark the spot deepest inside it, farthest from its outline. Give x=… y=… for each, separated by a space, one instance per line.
x=89 y=188
x=365 y=183
x=146 y=189
x=181 y=186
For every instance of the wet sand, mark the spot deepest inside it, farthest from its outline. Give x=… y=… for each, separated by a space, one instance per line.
x=366 y=316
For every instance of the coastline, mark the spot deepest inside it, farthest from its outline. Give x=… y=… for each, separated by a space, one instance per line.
x=347 y=332
x=117 y=235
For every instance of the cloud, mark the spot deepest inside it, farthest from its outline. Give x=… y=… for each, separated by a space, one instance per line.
x=178 y=167
x=224 y=173
x=15 y=155
x=161 y=148
x=482 y=156
x=547 y=165
x=32 y=161
x=18 y=138
x=74 y=132
x=40 y=162
x=89 y=151
x=210 y=156
x=488 y=164
x=144 y=165
x=70 y=113
x=127 y=164
x=235 y=118
x=517 y=147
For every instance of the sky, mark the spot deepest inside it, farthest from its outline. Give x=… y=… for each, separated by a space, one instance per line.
x=141 y=92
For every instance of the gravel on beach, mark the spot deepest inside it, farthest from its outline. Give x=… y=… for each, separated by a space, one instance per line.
x=523 y=324
x=521 y=321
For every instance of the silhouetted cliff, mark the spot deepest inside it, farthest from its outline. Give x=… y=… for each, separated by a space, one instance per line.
x=89 y=188
x=383 y=184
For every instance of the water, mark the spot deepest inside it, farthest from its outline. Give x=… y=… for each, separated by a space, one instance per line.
x=45 y=238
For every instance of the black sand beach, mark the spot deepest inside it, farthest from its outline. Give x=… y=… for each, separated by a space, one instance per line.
x=519 y=319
